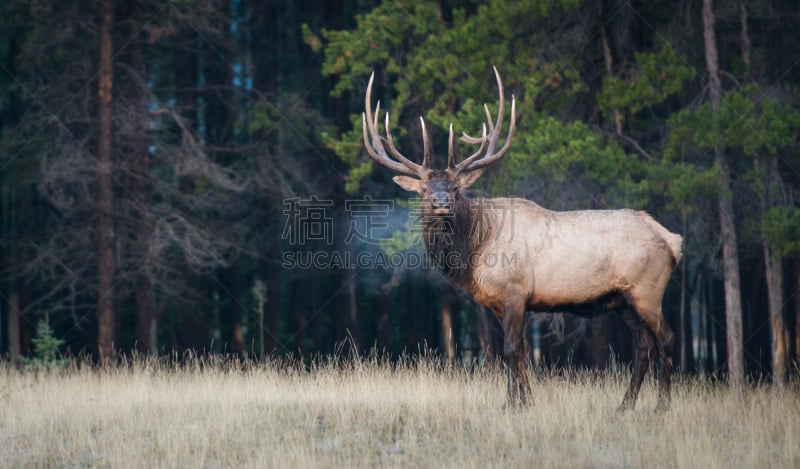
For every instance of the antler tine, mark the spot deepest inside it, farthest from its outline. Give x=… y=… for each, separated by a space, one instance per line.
x=451 y=151
x=377 y=147
x=489 y=116
x=393 y=150
x=474 y=161
x=471 y=140
x=497 y=127
x=491 y=157
x=426 y=151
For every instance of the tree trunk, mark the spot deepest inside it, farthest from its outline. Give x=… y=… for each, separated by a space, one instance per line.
x=146 y=320
x=105 y=195
x=231 y=310
x=273 y=288
x=600 y=340
x=384 y=332
x=684 y=334
x=490 y=334
x=702 y=322
x=349 y=311
x=745 y=36
x=797 y=316
x=14 y=348
x=194 y=319
x=316 y=292
x=730 y=257
x=300 y=301
x=449 y=332
x=773 y=264
x=608 y=59
x=778 y=333
x=260 y=292
x=218 y=74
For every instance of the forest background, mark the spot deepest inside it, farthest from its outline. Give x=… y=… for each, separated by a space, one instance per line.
x=190 y=175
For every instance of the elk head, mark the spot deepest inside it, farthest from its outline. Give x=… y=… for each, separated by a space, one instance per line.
x=440 y=189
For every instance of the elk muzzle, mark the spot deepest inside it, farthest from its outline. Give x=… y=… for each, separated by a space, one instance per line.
x=440 y=201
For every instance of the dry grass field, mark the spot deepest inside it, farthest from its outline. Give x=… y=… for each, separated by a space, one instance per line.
x=368 y=414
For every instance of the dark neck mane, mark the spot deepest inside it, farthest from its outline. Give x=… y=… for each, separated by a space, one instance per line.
x=453 y=241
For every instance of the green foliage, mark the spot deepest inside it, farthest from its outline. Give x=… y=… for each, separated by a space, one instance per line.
x=747 y=123
x=356 y=175
x=752 y=123
x=556 y=151
x=291 y=134
x=442 y=69
x=271 y=131
x=294 y=126
x=439 y=68
x=45 y=348
x=349 y=148
x=654 y=78
x=781 y=228
x=682 y=183
x=560 y=145
x=408 y=238
x=380 y=37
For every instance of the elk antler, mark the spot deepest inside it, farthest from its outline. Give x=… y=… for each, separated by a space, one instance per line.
x=378 y=146
x=478 y=159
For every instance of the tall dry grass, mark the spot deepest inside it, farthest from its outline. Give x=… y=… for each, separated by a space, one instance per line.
x=366 y=413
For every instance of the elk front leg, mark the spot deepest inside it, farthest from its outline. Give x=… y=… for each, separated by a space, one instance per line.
x=514 y=353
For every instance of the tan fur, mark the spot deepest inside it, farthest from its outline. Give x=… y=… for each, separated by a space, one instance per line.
x=523 y=257
x=570 y=257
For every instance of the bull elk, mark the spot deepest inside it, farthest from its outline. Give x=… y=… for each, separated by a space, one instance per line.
x=584 y=262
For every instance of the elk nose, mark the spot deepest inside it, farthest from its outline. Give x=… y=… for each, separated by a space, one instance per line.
x=440 y=199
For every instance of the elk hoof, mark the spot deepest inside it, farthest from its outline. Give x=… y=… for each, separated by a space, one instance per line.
x=515 y=402
x=626 y=406
x=662 y=406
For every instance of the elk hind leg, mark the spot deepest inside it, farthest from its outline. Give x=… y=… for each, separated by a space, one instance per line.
x=647 y=304
x=653 y=320
x=665 y=340
x=644 y=349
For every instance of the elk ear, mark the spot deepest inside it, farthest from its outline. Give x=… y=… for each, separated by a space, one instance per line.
x=469 y=178
x=408 y=183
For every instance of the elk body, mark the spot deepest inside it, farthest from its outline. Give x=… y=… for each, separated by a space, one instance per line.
x=515 y=256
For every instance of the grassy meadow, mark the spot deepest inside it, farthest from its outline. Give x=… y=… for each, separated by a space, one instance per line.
x=367 y=413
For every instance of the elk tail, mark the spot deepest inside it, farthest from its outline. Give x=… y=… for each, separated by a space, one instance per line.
x=675 y=243
x=673 y=240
